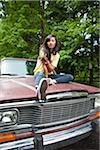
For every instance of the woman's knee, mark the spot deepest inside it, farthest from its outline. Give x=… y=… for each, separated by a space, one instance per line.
x=69 y=77
x=38 y=76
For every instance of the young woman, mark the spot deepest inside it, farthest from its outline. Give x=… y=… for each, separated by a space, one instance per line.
x=44 y=72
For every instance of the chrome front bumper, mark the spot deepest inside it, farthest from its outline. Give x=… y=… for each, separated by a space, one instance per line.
x=48 y=139
x=18 y=145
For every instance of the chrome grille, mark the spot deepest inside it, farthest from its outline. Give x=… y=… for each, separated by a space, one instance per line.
x=30 y=114
x=55 y=111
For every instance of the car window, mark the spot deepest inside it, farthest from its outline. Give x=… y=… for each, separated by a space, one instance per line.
x=17 y=67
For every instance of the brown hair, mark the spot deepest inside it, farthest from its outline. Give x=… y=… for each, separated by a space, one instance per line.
x=45 y=47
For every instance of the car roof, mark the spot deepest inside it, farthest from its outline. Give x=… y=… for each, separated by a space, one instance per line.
x=12 y=58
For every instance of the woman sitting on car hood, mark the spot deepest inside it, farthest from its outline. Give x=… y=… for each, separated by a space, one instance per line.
x=44 y=72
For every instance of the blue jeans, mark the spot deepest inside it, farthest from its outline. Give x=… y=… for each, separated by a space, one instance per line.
x=37 y=77
x=60 y=78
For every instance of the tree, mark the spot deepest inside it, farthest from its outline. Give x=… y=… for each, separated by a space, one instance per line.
x=79 y=20
x=24 y=25
x=20 y=28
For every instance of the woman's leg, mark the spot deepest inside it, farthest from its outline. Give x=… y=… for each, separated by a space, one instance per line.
x=41 y=85
x=37 y=78
x=62 y=78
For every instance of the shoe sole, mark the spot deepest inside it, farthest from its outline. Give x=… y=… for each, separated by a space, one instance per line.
x=42 y=90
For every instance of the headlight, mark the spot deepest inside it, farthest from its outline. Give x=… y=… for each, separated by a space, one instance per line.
x=8 y=117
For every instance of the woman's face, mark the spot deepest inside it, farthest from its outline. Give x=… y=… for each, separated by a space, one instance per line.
x=51 y=43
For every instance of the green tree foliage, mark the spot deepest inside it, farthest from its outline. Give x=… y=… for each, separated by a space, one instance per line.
x=78 y=33
x=24 y=24
x=20 y=28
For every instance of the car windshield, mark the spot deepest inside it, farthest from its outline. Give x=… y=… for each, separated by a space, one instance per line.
x=17 y=67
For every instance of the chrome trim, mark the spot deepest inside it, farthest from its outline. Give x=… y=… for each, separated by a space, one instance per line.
x=34 y=103
x=67 y=95
x=67 y=134
x=63 y=126
x=20 y=144
x=22 y=127
x=71 y=101
x=48 y=138
x=97 y=99
x=19 y=104
x=96 y=95
x=63 y=121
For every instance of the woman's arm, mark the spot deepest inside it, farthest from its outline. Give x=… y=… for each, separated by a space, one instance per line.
x=50 y=67
x=54 y=62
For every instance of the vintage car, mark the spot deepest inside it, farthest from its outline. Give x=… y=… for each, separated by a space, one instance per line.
x=64 y=118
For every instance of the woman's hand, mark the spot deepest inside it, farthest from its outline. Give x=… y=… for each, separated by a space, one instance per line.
x=50 y=67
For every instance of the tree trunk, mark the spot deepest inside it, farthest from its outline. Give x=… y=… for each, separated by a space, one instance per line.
x=42 y=3
x=91 y=62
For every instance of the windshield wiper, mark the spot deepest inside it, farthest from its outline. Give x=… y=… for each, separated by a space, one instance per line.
x=9 y=74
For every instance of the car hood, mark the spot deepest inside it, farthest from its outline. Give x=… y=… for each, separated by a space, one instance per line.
x=22 y=88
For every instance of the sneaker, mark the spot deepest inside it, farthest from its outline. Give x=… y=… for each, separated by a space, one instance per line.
x=51 y=81
x=42 y=89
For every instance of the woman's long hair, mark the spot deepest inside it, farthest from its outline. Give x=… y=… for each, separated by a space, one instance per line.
x=45 y=47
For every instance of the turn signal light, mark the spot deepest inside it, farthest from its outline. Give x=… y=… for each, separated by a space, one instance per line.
x=7 y=137
x=98 y=114
x=95 y=116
